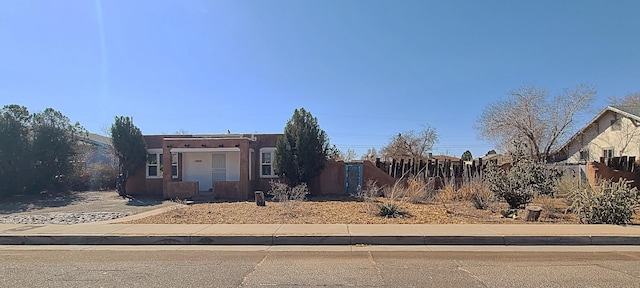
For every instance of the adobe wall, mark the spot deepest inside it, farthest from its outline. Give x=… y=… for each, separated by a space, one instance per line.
x=596 y=170
x=373 y=173
x=330 y=181
x=137 y=184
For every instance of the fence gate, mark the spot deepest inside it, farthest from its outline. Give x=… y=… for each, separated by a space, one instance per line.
x=353 y=178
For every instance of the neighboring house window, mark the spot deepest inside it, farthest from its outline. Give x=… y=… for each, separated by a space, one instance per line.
x=607 y=153
x=267 y=155
x=616 y=125
x=154 y=163
x=174 y=165
x=584 y=155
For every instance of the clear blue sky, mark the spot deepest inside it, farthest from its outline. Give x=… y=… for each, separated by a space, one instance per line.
x=366 y=69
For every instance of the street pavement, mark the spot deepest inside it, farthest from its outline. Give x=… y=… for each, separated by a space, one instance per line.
x=100 y=268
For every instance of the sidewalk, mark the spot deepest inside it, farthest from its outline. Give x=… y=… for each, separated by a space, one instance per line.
x=319 y=234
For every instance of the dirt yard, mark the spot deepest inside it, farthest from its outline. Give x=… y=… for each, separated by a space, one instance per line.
x=347 y=211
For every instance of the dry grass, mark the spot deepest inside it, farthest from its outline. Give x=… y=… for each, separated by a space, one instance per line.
x=334 y=211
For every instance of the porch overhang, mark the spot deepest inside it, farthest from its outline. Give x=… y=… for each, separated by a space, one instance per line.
x=198 y=150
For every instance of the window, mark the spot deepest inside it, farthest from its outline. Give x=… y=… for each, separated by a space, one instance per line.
x=607 y=153
x=154 y=163
x=616 y=125
x=267 y=156
x=584 y=155
x=174 y=165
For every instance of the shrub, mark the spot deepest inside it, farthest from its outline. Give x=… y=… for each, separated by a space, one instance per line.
x=476 y=191
x=525 y=179
x=482 y=198
x=370 y=190
x=289 y=196
x=607 y=203
x=414 y=189
x=390 y=209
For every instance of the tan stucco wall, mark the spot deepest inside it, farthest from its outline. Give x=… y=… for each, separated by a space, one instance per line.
x=600 y=135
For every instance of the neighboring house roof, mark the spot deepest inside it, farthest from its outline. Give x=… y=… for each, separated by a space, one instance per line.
x=99 y=139
x=632 y=112
x=445 y=157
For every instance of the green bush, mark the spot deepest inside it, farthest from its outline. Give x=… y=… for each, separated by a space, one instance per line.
x=607 y=203
x=523 y=181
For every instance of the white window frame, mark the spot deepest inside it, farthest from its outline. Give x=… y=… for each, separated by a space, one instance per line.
x=251 y=153
x=158 y=164
x=604 y=152
x=175 y=164
x=272 y=151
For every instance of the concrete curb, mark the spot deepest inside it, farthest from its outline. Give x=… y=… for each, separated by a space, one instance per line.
x=274 y=240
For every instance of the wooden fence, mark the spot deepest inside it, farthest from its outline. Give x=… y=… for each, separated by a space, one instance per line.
x=624 y=163
x=431 y=168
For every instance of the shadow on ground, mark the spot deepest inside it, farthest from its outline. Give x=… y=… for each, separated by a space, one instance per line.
x=22 y=203
x=145 y=201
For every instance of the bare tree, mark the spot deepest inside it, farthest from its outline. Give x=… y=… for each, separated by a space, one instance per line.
x=632 y=99
x=350 y=155
x=411 y=144
x=628 y=133
x=531 y=116
x=371 y=155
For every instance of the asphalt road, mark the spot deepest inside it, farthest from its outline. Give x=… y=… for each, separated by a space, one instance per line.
x=329 y=269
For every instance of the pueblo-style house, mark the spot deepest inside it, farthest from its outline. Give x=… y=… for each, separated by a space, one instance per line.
x=230 y=166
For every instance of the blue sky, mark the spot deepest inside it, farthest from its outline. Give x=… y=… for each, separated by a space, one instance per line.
x=366 y=69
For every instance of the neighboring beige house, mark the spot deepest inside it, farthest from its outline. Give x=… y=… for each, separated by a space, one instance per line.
x=614 y=132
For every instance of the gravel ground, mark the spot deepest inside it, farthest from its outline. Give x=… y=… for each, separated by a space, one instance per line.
x=335 y=211
x=74 y=207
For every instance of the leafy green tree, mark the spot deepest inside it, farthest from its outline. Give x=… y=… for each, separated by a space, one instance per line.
x=492 y=152
x=302 y=151
x=466 y=156
x=130 y=149
x=15 y=157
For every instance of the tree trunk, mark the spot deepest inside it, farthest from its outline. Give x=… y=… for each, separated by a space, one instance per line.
x=260 y=198
x=121 y=185
x=532 y=213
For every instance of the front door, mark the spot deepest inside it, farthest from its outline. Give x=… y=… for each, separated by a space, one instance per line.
x=197 y=168
x=219 y=167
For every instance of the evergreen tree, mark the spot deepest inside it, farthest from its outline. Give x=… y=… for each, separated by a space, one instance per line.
x=53 y=150
x=466 y=156
x=302 y=151
x=15 y=158
x=130 y=148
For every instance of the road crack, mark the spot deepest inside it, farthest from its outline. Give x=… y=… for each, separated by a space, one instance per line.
x=375 y=265
x=255 y=268
x=470 y=274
